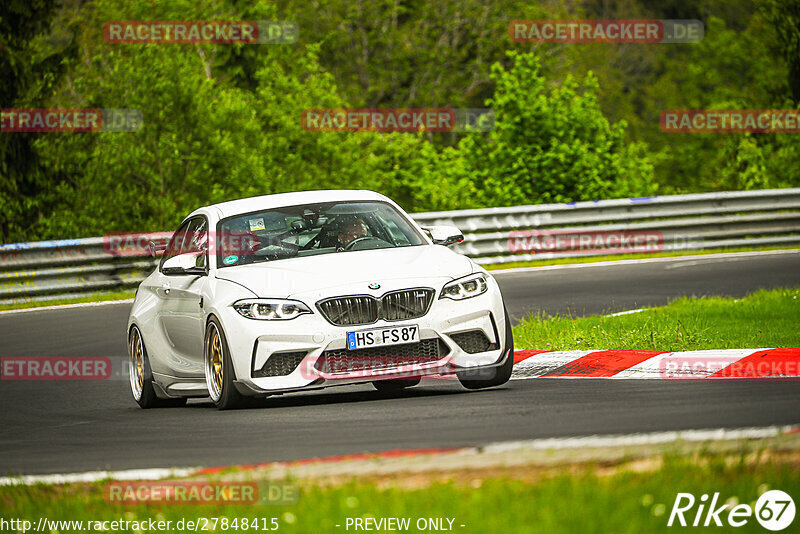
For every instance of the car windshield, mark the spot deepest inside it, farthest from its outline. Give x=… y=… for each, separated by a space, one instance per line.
x=312 y=229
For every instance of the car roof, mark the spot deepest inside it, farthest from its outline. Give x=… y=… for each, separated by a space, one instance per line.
x=266 y=202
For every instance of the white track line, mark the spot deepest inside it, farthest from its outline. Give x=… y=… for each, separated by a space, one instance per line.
x=696 y=257
x=621 y=440
x=627 y=312
x=68 y=306
x=95 y=476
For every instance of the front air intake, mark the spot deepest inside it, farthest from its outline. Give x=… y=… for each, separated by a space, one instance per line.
x=280 y=364
x=377 y=358
x=473 y=341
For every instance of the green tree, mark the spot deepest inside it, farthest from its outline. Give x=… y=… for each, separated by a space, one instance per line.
x=552 y=144
x=785 y=18
x=34 y=43
x=206 y=137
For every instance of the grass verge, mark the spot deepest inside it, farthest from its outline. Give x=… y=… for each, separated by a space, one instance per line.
x=765 y=318
x=95 y=297
x=613 y=496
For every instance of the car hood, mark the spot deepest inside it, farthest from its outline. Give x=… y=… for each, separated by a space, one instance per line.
x=391 y=268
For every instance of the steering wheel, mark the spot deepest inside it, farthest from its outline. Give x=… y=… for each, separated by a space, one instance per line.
x=357 y=240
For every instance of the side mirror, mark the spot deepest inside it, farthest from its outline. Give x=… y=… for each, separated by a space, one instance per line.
x=444 y=235
x=185 y=264
x=157 y=248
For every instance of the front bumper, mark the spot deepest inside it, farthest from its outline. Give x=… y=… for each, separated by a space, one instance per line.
x=310 y=339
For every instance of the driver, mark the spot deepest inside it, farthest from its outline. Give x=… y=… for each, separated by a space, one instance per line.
x=351 y=230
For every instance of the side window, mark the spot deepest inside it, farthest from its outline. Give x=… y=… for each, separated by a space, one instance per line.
x=197 y=240
x=196 y=236
x=176 y=242
x=192 y=236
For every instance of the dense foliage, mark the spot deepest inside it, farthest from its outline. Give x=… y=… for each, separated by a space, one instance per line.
x=573 y=122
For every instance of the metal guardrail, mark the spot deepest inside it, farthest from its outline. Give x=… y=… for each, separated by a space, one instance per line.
x=680 y=222
x=56 y=269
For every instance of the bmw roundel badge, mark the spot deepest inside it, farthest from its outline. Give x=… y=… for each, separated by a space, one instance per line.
x=374 y=285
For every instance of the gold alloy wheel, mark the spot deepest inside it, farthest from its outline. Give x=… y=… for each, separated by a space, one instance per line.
x=136 y=364
x=214 y=362
x=216 y=359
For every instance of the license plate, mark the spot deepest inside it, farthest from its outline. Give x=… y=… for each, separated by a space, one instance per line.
x=393 y=335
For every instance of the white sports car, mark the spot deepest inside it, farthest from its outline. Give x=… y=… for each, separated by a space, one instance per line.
x=298 y=291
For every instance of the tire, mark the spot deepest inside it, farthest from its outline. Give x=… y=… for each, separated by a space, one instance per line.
x=492 y=376
x=396 y=384
x=141 y=376
x=220 y=375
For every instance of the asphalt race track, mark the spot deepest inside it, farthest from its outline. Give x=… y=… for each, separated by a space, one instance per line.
x=62 y=427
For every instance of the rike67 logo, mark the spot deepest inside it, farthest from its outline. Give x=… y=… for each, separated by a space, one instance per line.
x=774 y=510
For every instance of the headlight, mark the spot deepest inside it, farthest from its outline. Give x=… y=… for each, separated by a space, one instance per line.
x=270 y=309
x=464 y=288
